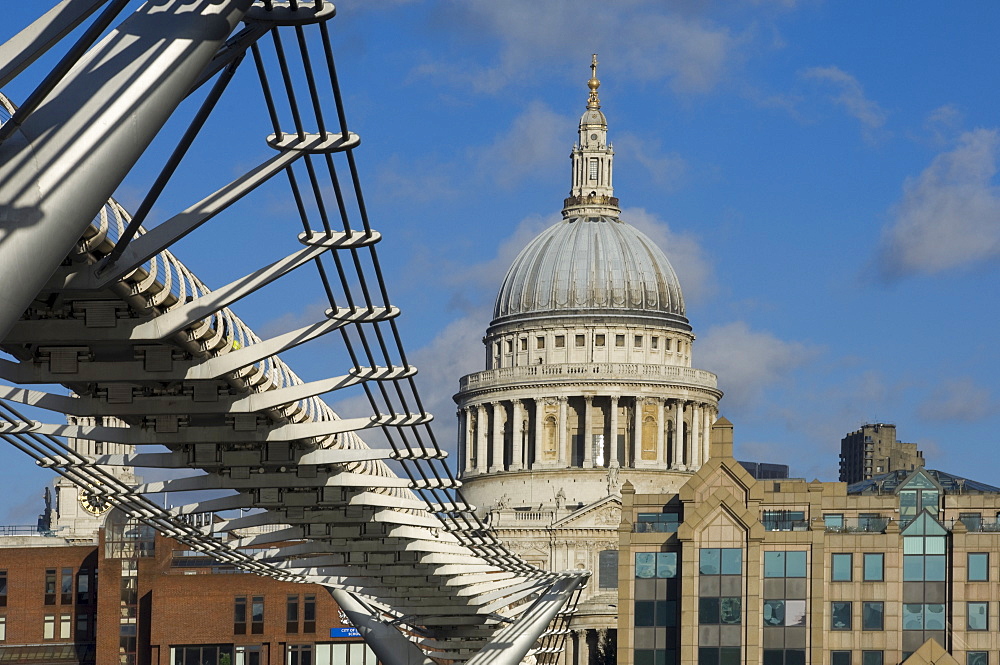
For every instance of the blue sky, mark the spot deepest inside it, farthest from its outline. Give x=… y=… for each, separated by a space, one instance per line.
x=822 y=176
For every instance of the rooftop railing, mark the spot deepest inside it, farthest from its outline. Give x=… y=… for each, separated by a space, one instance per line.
x=588 y=372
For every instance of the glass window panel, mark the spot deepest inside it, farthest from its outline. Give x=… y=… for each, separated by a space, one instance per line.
x=872 y=614
x=874 y=564
x=644 y=613
x=913 y=568
x=908 y=504
x=913 y=545
x=774 y=613
x=708 y=656
x=774 y=564
x=795 y=564
x=774 y=657
x=795 y=613
x=979 y=566
x=708 y=610
x=841 y=564
x=710 y=560
x=643 y=657
x=795 y=657
x=666 y=613
x=934 y=618
x=645 y=565
x=840 y=616
x=833 y=521
x=977 y=618
x=929 y=501
x=913 y=616
x=729 y=656
x=666 y=564
x=934 y=545
x=730 y=610
x=934 y=568
x=732 y=561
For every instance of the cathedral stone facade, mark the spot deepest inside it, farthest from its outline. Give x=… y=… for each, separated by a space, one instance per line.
x=588 y=384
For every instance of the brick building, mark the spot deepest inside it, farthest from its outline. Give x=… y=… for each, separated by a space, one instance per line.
x=135 y=597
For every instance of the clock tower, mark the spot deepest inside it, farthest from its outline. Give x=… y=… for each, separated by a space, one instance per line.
x=81 y=512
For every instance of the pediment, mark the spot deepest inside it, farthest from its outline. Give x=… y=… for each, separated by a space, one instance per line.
x=931 y=653
x=603 y=514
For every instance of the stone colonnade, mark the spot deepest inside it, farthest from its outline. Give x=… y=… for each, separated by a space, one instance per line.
x=552 y=433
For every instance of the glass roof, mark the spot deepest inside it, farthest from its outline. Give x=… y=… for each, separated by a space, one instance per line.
x=950 y=483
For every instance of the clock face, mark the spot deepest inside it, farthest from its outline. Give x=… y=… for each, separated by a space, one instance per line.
x=593 y=137
x=94 y=503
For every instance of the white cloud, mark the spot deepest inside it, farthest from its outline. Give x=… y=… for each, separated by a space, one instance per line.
x=534 y=144
x=666 y=169
x=960 y=399
x=690 y=52
x=851 y=96
x=422 y=182
x=684 y=251
x=949 y=215
x=943 y=122
x=748 y=361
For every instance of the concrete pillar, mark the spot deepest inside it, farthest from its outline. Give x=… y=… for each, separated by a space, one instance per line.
x=706 y=433
x=496 y=440
x=565 y=458
x=581 y=647
x=517 y=436
x=586 y=435
x=696 y=445
x=539 y=431
x=481 y=429
x=661 y=442
x=464 y=439
x=613 y=427
x=637 y=441
x=678 y=461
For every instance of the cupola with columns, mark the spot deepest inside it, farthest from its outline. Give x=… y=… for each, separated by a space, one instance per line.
x=589 y=354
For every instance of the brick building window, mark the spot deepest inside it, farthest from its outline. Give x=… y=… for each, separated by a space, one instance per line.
x=3 y=588
x=50 y=586
x=83 y=627
x=49 y=627
x=299 y=654
x=240 y=615
x=292 y=615
x=65 y=626
x=257 y=615
x=66 y=587
x=3 y=628
x=309 y=613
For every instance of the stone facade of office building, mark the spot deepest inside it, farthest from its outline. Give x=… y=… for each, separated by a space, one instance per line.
x=901 y=568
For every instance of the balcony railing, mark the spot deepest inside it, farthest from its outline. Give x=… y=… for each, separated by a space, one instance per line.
x=858 y=525
x=786 y=525
x=588 y=372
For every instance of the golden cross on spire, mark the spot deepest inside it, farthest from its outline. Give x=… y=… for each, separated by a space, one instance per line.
x=593 y=102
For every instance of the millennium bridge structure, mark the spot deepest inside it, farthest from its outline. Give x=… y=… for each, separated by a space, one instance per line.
x=109 y=334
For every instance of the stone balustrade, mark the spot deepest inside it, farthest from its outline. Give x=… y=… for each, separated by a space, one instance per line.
x=540 y=374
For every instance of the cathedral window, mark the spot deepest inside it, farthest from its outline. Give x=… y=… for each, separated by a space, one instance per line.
x=593 y=168
x=654 y=343
x=581 y=340
x=619 y=340
x=638 y=341
x=560 y=341
x=524 y=343
x=608 y=569
x=539 y=342
x=510 y=346
x=598 y=340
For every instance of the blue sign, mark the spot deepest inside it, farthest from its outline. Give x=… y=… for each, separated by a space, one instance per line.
x=344 y=632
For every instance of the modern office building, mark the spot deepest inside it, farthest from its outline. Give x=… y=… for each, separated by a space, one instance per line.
x=903 y=567
x=588 y=384
x=874 y=450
